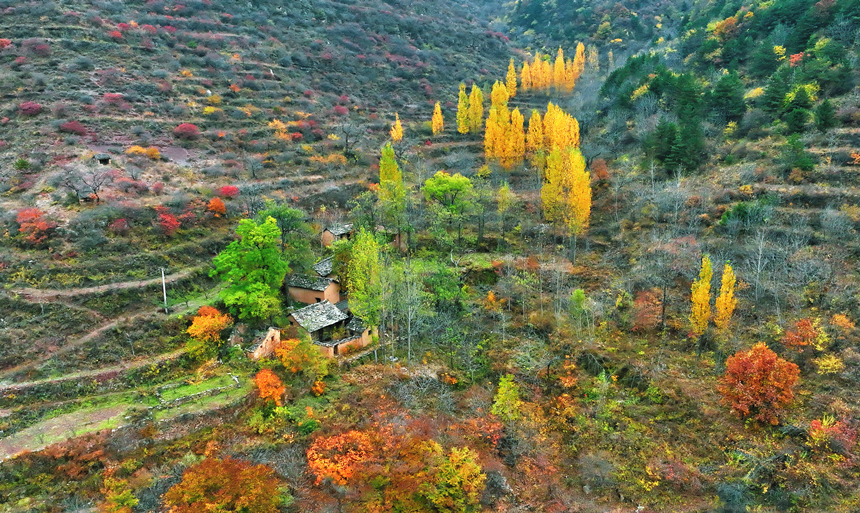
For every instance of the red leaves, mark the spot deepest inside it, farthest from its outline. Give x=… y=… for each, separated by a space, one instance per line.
x=168 y=223
x=29 y=109
x=33 y=225
x=229 y=191
x=73 y=127
x=225 y=485
x=186 y=131
x=758 y=384
x=804 y=334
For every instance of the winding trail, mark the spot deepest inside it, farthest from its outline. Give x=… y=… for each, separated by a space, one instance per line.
x=33 y=294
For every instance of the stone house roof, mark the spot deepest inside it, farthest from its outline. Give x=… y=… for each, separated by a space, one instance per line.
x=340 y=229
x=302 y=281
x=324 y=267
x=318 y=315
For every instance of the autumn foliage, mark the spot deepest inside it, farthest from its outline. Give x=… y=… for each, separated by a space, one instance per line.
x=339 y=457
x=758 y=384
x=208 y=324
x=217 y=207
x=225 y=485
x=700 y=313
x=186 y=131
x=33 y=226
x=269 y=386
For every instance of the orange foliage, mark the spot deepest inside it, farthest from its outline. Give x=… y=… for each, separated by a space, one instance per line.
x=208 y=324
x=217 y=207
x=338 y=457
x=758 y=384
x=33 y=226
x=225 y=485
x=270 y=386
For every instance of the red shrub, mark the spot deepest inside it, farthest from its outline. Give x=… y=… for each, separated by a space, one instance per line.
x=296 y=136
x=122 y=27
x=33 y=226
x=41 y=50
x=149 y=29
x=169 y=29
x=186 y=131
x=229 y=191
x=20 y=60
x=157 y=188
x=340 y=110
x=113 y=98
x=115 y=34
x=167 y=221
x=5 y=43
x=73 y=127
x=119 y=227
x=29 y=109
x=309 y=93
x=758 y=384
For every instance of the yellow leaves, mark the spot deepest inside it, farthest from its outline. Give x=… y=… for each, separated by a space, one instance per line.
x=463 y=111
x=476 y=109
x=701 y=299
x=396 y=129
x=526 y=77
x=280 y=129
x=151 y=152
x=779 y=51
x=829 y=364
x=214 y=100
x=726 y=301
x=437 y=123
x=186 y=73
x=511 y=79
x=566 y=192
x=640 y=91
x=332 y=158
x=209 y=111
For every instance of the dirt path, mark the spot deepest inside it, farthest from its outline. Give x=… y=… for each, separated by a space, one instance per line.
x=58 y=429
x=191 y=306
x=134 y=364
x=32 y=294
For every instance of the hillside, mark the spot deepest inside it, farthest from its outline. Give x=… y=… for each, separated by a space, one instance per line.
x=652 y=308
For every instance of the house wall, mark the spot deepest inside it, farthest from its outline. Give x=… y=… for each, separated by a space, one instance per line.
x=356 y=343
x=332 y=293
x=267 y=347
x=327 y=351
x=328 y=238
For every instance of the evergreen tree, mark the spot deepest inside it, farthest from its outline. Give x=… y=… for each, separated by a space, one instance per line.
x=825 y=116
x=777 y=87
x=727 y=97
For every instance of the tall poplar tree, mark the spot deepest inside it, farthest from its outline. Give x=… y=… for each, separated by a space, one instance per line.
x=558 y=74
x=726 y=302
x=511 y=79
x=526 y=77
x=463 y=111
x=396 y=129
x=365 y=286
x=437 y=123
x=476 y=109
x=392 y=193
x=701 y=299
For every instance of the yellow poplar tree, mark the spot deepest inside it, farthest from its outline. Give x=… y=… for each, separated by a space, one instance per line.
x=437 y=123
x=476 y=108
x=511 y=79
x=491 y=135
x=463 y=111
x=526 y=77
x=592 y=58
x=566 y=192
x=578 y=61
x=396 y=129
x=701 y=299
x=516 y=140
x=579 y=195
x=558 y=71
x=726 y=301
x=546 y=74
x=534 y=140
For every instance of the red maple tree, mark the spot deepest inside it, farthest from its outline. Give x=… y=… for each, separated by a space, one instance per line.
x=758 y=384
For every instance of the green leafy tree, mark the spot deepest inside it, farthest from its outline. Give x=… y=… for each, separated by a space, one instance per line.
x=452 y=483
x=295 y=234
x=454 y=193
x=253 y=269
x=364 y=285
x=392 y=193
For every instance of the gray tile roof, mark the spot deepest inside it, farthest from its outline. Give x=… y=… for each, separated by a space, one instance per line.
x=355 y=325
x=324 y=267
x=340 y=229
x=302 y=281
x=318 y=316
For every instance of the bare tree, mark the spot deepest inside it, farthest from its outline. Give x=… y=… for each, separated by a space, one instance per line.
x=91 y=182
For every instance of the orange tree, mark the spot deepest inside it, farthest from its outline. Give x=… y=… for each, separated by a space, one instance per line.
x=227 y=485
x=205 y=331
x=269 y=386
x=758 y=384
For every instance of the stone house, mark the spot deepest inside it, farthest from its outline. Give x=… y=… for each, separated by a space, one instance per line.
x=332 y=329
x=312 y=289
x=336 y=232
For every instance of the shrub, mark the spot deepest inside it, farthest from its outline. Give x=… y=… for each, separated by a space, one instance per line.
x=340 y=110
x=33 y=226
x=115 y=34
x=758 y=384
x=167 y=221
x=225 y=485
x=73 y=127
x=29 y=109
x=186 y=131
x=217 y=207
x=119 y=227
x=229 y=191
